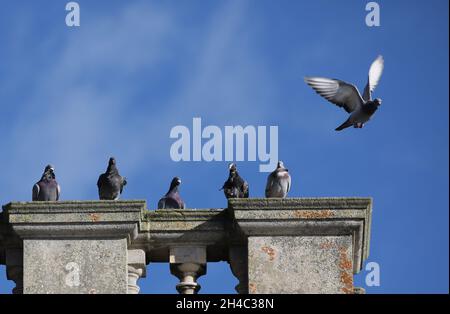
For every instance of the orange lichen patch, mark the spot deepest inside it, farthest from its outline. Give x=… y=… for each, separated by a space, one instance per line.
x=94 y=217
x=313 y=214
x=346 y=271
x=269 y=251
x=344 y=262
x=347 y=282
x=326 y=245
x=252 y=287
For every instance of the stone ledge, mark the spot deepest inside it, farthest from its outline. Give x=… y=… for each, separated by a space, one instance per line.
x=162 y=229
x=75 y=206
x=304 y=203
x=75 y=219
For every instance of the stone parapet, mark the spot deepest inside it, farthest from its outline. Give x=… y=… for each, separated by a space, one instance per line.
x=295 y=245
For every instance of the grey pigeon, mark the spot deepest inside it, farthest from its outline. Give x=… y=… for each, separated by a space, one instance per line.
x=110 y=184
x=172 y=199
x=278 y=182
x=47 y=189
x=342 y=94
x=235 y=186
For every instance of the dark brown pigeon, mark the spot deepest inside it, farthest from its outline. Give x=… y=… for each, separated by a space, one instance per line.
x=343 y=94
x=110 y=184
x=235 y=186
x=172 y=199
x=47 y=189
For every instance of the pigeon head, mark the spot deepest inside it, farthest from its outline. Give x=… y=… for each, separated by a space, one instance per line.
x=232 y=167
x=175 y=182
x=280 y=165
x=112 y=161
x=49 y=168
x=112 y=169
x=377 y=101
x=49 y=173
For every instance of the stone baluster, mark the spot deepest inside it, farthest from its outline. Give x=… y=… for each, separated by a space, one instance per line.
x=238 y=261
x=136 y=269
x=188 y=264
x=14 y=269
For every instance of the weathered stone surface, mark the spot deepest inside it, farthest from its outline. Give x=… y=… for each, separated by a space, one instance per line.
x=238 y=260
x=187 y=254
x=3 y=236
x=14 y=268
x=188 y=263
x=303 y=245
x=75 y=246
x=136 y=269
x=295 y=245
x=75 y=266
x=295 y=264
x=89 y=219
x=307 y=217
x=164 y=229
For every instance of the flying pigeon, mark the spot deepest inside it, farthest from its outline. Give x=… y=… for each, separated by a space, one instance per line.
x=342 y=94
x=235 y=186
x=172 y=199
x=278 y=182
x=110 y=184
x=47 y=189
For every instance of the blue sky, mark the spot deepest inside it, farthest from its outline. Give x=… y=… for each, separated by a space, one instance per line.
x=117 y=85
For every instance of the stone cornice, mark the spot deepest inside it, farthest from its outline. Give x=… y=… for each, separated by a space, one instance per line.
x=75 y=219
x=156 y=231
x=162 y=229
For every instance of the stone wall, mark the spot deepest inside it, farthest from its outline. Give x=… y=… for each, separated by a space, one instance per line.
x=295 y=245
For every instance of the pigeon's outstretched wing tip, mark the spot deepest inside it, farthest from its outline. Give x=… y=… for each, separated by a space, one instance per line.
x=375 y=72
x=336 y=91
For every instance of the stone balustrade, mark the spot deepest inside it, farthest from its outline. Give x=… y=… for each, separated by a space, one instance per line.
x=294 y=245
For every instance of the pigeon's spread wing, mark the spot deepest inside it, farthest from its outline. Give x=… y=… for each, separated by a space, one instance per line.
x=338 y=92
x=375 y=71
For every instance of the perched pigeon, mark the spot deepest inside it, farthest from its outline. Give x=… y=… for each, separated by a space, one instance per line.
x=235 y=186
x=172 y=199
x=47 y=189
x=347 y=95
x=110 y=184
x=278 y=182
